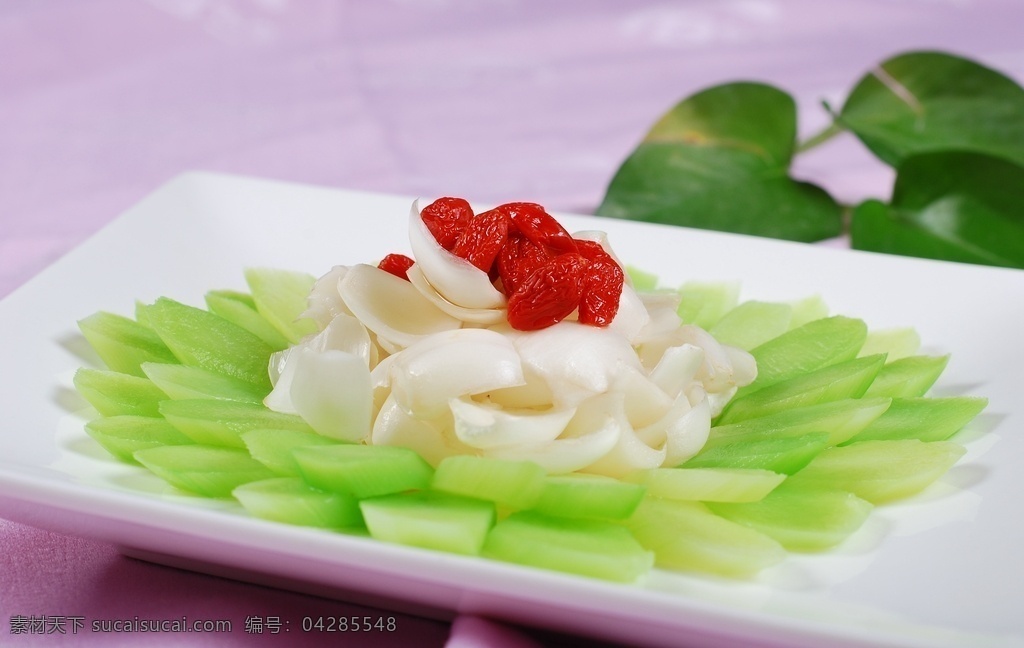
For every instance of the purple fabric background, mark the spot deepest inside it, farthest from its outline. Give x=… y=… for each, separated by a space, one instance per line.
x=101 y=101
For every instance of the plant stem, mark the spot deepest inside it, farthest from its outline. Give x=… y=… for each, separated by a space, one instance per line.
x=820 y=137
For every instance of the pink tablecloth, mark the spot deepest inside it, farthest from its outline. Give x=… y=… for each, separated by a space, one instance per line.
x=103 y=100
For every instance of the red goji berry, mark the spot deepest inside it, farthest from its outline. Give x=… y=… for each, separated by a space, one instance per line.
x=548 y=295
x=517 y=259
x=482 y=239
x=602 y=285
x=539 y=226
x=446 y=218
x=396 y=264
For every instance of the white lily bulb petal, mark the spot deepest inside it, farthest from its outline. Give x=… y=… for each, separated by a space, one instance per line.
x=451 y=364
x=632 y=317
x=565 y=455
x=629 y=452
x=644 y=401
x=282 y=371
x=483 y=316
x=324 y=302
x=344 y=333
x=744 y=366
x=430 y=439
x=483 y=427
x=662 y=307
x=677 y=368
x=331 y=391
x=716 y=373
x=454 y=278
x=686 y=435
x=533 y=393
x=391 y=307
x=576 y=360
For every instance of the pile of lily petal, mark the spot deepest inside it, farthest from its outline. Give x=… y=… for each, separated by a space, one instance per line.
x=433 y=365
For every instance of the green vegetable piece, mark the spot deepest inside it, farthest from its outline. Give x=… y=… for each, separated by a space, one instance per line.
x=642 y=281
x=292 y=501
x=880 y=471
x=848 y=379
x=221 y=422
x=122 y=435
x=817 y=344
x=927 y=419
x=907 y=377
x=720 y=160
x=203 y=470
x=588 y=496
x=841 y=419
x=807 y=310
x=953 y=206
x=687 y=536
x=113 y=393
x=895 y=343
x=240 y=309
x=363 y=471
x=918 y=102
x=800 y=518
x=273 y=448
x=708 y=484
x=280 y=297
x=201 y=339
x=182 y=382
x=515 y=484
x=591 y=548
x=752 y=323
x=430 y=520
x=123 y=344
x=782 y=455
x=704 y=303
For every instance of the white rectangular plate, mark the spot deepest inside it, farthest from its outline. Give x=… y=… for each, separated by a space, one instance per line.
x=943 y=569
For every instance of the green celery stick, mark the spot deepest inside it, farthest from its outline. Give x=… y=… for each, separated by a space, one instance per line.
x=122 y=343
x=240 y=308
x=881 y=471
x=841 y=419
x=800 y=518
x=204 y=470
x=363 y=471
x=113 y=393
x=221 y=422
x=752 y=323
x=182 y=382
x=704 y=303
x=516 y=484
x=281 y=298
x=201 y=339
x=430 y=520
x=849 y=379
x=927 y=419
x=122 y=435
x=591 y=548
x=292 y=501
x=687 y=536
x=907 y=377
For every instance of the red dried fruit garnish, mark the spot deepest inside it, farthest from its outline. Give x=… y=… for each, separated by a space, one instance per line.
x=396 y=264
x=517 y=259
x=602 y=285
x=548 y=295
x=481 y=240
x=446 y=218
x=539 y=226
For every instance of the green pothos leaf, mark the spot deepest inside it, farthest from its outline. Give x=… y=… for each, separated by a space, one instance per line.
x=720 y=160
x=930 y=101
x=956 y=206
